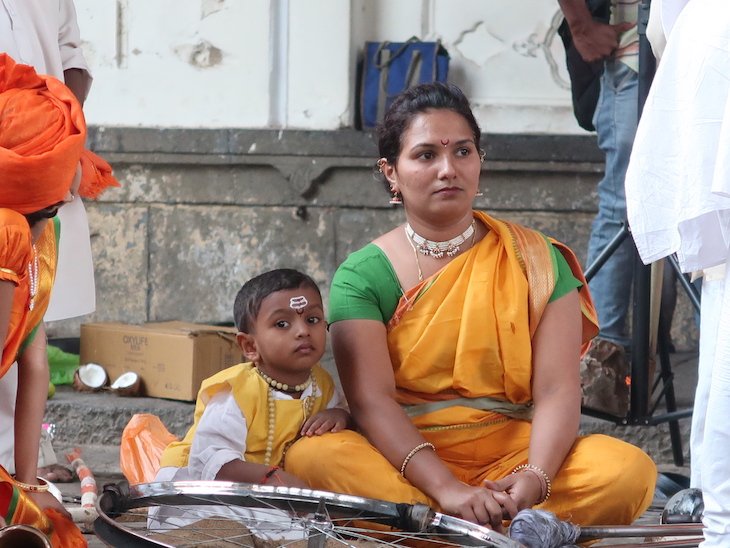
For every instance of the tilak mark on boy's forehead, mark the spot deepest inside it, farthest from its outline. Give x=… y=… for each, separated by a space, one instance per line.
x=298 y=303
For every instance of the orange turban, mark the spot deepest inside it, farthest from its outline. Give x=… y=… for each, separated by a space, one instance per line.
x=42 y=134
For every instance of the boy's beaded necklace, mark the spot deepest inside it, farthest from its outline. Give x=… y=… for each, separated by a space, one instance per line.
x=271 y=403
x=282 y=386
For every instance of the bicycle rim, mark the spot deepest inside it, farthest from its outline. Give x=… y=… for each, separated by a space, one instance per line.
x=213 y=514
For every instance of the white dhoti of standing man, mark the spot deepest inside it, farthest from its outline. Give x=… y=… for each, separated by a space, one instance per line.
x=45 y=35
x=678 y=195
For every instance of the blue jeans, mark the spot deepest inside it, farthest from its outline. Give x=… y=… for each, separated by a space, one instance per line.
x=615 y=120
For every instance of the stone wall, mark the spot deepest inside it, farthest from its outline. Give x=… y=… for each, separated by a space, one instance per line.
x=201 y=211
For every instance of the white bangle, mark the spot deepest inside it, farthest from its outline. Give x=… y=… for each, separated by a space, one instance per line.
x=413 y=451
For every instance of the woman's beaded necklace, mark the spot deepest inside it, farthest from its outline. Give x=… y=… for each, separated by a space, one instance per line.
x=33 y=278
x=438 y=249
x=271 y=403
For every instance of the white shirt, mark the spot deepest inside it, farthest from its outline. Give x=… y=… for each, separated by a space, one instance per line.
x=662 y=16
x=43 y=34
x=678 y=180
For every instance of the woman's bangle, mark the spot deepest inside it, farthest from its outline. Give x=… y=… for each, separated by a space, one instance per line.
x=413 y=451
x=270 y=472
x=31 y=488
x=546 y=486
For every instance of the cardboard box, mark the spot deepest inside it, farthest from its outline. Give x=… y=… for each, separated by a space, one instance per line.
x=172 y=358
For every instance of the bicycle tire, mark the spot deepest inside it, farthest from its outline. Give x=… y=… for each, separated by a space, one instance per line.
x=317 y=518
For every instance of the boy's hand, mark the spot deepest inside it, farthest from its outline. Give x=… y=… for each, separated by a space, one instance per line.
x=329 y=420
x=287 y=479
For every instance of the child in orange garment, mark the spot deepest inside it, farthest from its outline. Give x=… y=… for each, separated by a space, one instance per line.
x=42 y=133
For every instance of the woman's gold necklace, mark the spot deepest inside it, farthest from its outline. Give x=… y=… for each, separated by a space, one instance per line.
x=415 y=254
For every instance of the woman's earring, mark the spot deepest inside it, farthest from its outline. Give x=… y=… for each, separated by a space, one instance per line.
x=396 y=199
x=381 y=163
x=482 y=155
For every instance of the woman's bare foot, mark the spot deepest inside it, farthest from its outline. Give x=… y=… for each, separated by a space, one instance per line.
x=56 y=473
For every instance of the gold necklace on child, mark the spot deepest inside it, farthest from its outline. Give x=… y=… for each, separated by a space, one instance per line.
x=271 y=402
x=282 y=386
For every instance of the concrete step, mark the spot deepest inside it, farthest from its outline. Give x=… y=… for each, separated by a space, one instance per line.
x=95 y=421
x=98 y=418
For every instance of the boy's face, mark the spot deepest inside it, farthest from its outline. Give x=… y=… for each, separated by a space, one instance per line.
x=288 y=335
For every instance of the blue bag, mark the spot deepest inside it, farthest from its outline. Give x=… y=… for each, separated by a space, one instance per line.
x=391 y=67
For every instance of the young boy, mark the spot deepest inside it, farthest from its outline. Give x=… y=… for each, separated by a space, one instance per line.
x=248 y=415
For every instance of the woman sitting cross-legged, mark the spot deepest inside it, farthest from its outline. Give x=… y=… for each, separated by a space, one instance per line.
x=457 y=337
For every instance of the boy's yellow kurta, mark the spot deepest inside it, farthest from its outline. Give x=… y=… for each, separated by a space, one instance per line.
x=465 y=334
x=251 y=393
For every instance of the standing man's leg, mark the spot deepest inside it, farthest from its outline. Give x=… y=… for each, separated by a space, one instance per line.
x=615 y=121
x=715 y=450
x=712 y=293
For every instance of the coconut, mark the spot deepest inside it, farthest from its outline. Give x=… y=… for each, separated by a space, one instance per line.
x=128 y=384
x=90 y=378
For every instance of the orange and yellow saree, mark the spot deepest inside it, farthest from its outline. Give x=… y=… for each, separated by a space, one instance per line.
x=461 y=350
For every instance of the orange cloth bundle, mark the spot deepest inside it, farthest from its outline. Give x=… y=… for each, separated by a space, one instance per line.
x=96 y=175
x=42 y=134
x=16 y=507
x=144 y=439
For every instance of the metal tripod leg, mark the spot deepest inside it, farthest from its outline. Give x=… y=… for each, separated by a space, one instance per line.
x=667 y=377
x=612 y=246
x=639 y=408
x=691 y=290
x=639 y=412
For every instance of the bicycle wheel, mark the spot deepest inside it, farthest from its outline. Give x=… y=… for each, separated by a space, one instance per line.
x=206 y=513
